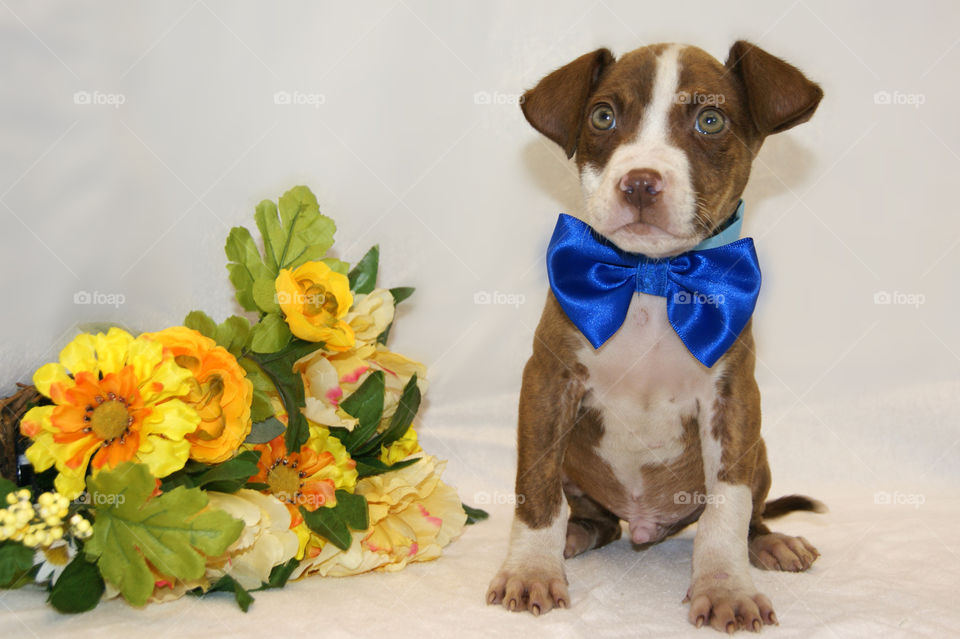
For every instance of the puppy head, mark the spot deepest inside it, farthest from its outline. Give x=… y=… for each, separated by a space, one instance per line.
x=664 y=136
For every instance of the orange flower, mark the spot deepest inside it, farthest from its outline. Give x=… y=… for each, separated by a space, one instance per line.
x=219 y=391
x=114 y=400
x=293 y=477
x=106 y=414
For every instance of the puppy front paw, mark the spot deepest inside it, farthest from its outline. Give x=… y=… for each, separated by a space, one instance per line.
x=729 y=607
x=538 y=590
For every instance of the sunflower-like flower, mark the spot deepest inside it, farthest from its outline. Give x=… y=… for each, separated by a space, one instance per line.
x=114 y=400
x=295 y=478
x=219 y=391
x=314 y=299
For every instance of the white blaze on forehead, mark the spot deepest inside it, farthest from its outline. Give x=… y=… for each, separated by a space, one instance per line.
x=650 y=148
x=655 y=125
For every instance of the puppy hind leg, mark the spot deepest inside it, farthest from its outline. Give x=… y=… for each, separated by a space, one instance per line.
x=590 y=525
x=771 y=550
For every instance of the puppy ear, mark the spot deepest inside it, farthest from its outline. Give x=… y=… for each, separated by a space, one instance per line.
x=778 y=94
x=555 y=106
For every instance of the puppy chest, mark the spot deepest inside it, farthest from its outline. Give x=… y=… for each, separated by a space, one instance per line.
x=644 y=365
x=649 y=393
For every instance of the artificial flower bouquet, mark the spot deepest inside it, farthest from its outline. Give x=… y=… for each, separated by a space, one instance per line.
x=234 y=455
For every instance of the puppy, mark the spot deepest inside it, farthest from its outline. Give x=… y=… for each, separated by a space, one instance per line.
x=639 y=402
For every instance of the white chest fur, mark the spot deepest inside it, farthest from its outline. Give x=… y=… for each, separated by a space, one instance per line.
x=644 y=382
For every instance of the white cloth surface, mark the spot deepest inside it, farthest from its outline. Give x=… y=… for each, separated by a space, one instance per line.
x=885 y=570
x=418 y=145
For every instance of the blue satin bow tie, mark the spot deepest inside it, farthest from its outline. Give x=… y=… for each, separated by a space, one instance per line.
x=711 y=290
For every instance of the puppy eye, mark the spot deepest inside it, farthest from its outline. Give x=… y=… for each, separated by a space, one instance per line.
x=710 y=121
x=603 y=117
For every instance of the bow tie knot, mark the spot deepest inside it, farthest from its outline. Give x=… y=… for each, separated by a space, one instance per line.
x=710 y=292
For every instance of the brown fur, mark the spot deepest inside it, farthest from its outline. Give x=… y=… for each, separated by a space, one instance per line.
x=549 y=404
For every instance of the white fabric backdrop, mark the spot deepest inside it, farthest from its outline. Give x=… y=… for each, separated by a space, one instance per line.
x=408 y=131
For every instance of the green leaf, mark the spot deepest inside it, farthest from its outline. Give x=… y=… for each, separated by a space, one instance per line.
x=79 y=587
x=270 y=335
x=352 y=509
x=234 y=334
x=265 y=295
x=366 y=404
x=269 y=227
x=363 y=277
x=328 y=524
x=279 y=368
x=370 y=466
x=246 y=266
x=15 y=560
x=243 y=285
x=301 y=233
x=281 y=573
x=337 y=266
x=261 y=409
x=335 y=523
x=401 y=293
x=231 y=475
x=202 y=323
x=474 y=514
x=309 y=235
x=240 y=594
x=407 y=409
x=260 y=380
x=172 y=531
x=265 y=431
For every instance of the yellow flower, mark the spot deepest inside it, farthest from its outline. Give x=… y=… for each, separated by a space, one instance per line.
x=314 y=300
x=370 y=315
x=343 y=471
x=114 y=400
x=413 y=515
x=400 y=449
x=266 y=540
x=329 y=377
x=219 y=391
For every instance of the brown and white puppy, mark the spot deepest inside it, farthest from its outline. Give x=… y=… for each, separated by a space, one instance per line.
x=639 y=430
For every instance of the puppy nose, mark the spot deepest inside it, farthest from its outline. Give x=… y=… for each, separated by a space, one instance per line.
x=640 y=187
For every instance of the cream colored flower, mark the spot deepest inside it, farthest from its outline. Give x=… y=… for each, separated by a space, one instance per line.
x=266 y=540
x=370 y=315
x=328 y=378
x=413 y=515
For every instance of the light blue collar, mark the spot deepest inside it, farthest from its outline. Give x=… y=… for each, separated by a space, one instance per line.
x=729 y=234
